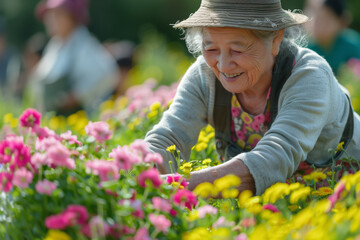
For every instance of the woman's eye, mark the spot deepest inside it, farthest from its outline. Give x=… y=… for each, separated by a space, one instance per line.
x=210 y=50
x=237 y=51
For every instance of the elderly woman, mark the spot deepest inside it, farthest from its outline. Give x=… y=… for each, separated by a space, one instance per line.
x=272 y=103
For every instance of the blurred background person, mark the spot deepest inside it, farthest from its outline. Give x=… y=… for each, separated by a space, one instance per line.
x=10 y=64
x=330 y=34
x=75 y=72
x=123 y=53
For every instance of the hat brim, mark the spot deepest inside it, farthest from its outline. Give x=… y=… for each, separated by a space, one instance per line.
x=276 y=20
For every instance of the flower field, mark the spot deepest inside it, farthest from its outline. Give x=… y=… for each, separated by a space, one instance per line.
x=79 y=178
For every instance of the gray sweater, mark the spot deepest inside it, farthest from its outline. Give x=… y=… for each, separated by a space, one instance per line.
x=312 y=113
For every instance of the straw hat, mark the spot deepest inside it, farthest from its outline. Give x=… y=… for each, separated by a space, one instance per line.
x=250 y=14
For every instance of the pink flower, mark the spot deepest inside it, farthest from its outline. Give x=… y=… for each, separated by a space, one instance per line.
x=39 y=159
x=222 y=222
x=177 y=178
x=96 y=224
x=207 y=209
x=140 y=146
x=56 y=222
x=6 y=151
x=58 y=156
x=99 y=130
x=151 y=175
x=124 y=157
x=142 y=234
x=161 y=204
x=340 y=187
x=184 y=197
x=70 y=138
x=255 y=125
x=30 y=118
x=242 y=236
x=117 y=230
x=248 y=222
x=22 y=155
x=44 y=144
x=22 y=178
x=81 y=213
x=45 y=187
x=45 y=132
x=160 y=222
x=107 y=170
x=259 y=118
x=5 y=181
x=271 y=208
x=153 y=158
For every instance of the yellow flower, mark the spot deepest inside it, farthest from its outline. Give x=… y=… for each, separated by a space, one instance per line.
x=340 y=146
x=152 y=114
x=315 y=176
x=171 y=148
x=299 y=195
x=199 y=233
x=209 y=129
x=220 y=233
x=230 y=193
x=200 y=146
x=295 y=186
x=107 y=105
x=244 y=197
x=227 y=182
x=302 y=218
x=57 y=235
x=193 y=215
x=235 y=102
x=121 y=103
x=205 y=190
x=206 y=161
x=275 y=192
x=7 y=118
x=323 y=191
x=293 y=207
x=155 y=106
x=186 y=167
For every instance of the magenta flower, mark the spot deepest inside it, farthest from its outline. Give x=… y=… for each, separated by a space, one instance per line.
x=99 y=130
x=22 y=178
x=184 y=197
x=140 y=146
x=160 y=222
x=271 y=208
x=45 y=132
x=207 y=209
x=56 y=222
x=45 y=187
x=6 y=152
x=340 y=187
x=142 y=234
x=161 y=204
x=153 y=158
x=22 y=155
x=45 y=143
x=107 y=170
x=177 y=178
x=124 y=157
x=98 y=225
x=30 y=118
x=81 y=213
x=152 y=175
x=58 y=156
x=5 y=181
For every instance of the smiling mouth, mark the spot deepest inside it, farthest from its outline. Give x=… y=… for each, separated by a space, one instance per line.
x=231 y=75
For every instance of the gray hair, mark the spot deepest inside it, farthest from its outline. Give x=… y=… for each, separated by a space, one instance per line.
x=295 y=34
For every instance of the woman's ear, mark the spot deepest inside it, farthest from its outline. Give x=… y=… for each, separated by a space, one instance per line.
x=276 y=42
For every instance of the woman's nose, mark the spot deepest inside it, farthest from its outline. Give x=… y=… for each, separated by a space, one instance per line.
x=225 y=63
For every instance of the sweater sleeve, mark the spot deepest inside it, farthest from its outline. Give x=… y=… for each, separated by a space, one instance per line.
x=304 y=106
x=182 y=122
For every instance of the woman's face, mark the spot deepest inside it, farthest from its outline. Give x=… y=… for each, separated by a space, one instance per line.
x=59 y=22
x=239 y=59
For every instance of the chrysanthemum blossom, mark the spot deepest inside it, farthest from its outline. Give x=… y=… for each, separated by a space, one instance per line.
x=45 y=187
x=99 y=130
x=30 y=118
x=153 y=158
x=152 y=175
x=5 y=181
x=22 y=178
x=124 y=157
x=184 y=197
x=161 y=204
x=107 y=170
x=58 y=156
x=160 y=222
